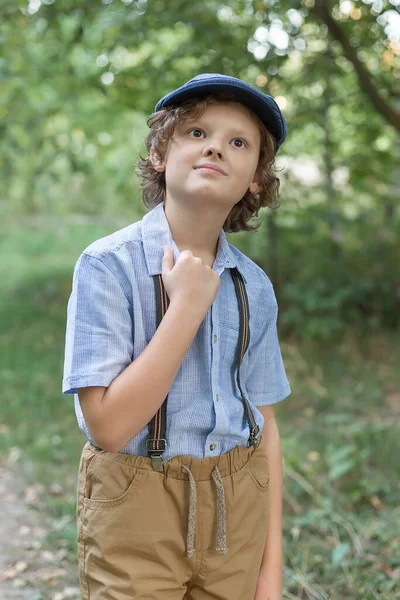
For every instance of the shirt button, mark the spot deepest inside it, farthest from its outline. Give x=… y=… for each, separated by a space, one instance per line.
x=217 y=397
x=213 y=446
x=215 y=338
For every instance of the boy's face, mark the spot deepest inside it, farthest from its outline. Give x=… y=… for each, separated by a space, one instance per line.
x=215 y=156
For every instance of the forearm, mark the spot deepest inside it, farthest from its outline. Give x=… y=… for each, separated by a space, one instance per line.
x=134 y=397
x=272 y=558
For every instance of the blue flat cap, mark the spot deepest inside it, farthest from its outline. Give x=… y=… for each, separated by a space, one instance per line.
x=263 y=105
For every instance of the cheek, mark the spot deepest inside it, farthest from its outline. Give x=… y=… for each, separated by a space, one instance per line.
x=177 y=171
x=245 y=171
x=171 y=174
x=182 y=155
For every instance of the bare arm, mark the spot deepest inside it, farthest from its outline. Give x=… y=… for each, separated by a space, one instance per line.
x=271 y=568
x=116 y=414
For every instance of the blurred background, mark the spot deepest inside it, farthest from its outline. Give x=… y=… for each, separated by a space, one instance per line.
x=77 y=81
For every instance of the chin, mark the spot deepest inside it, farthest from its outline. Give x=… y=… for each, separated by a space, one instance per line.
x=208 y=192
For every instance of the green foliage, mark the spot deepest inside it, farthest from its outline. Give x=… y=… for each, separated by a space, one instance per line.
x=79 y=79
x=340 y=437
x=326 y=284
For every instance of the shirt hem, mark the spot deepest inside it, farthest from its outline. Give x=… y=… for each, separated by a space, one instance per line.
x=281 y=395
x=70 y=384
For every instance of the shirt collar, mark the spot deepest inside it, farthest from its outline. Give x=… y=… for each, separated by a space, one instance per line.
x=156 y=233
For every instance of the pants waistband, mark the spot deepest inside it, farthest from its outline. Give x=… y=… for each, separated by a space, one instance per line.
x=201 y=468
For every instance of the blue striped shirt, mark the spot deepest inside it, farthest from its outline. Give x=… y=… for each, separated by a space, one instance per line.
x=111 y=317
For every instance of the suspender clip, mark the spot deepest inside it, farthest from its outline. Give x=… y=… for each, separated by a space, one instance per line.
x=253 y=435
x=157 y=463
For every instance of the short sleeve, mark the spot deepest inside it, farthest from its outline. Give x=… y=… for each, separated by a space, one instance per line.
x=266 y=380
x=99 y=331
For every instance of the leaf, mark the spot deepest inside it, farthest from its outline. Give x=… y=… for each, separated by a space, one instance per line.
x=341 y=468
x=339 y=553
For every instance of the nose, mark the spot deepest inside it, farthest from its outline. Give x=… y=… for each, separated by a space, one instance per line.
x=213 y=148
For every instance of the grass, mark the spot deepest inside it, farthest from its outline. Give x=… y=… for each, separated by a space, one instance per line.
x=339 y=428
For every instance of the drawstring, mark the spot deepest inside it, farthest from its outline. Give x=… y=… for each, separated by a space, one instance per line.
x=221 y=513
x=192 y=513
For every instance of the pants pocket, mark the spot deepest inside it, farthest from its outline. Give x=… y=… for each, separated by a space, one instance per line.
x=258 y=468
x=106 y=483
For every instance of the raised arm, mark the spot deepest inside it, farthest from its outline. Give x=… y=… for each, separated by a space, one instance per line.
x=116 y=413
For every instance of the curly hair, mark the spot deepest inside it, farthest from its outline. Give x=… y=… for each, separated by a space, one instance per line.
x=162 y=125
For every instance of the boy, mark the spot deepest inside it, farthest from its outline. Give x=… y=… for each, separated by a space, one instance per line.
x=173 y=356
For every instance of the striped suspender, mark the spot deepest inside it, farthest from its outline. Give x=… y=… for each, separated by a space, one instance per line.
x=243 y=344
x=156 y=441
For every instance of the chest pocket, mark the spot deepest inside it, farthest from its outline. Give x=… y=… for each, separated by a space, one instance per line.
x=229 y=325
x=229 y=310
x=230 y=319
x=229 y=337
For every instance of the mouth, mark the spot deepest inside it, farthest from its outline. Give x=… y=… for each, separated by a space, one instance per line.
x=210 y=168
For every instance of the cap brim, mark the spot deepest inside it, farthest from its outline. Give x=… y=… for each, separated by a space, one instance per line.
x=262 y=105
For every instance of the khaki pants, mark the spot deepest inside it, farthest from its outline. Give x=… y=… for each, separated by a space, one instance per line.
x=196 y=531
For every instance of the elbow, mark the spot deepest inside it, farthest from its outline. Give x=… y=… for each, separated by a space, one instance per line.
x=109 y=446
x=107 y=430
x=106 y=441
x=112 y=447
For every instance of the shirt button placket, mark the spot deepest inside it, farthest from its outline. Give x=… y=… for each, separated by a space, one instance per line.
x=214 y=369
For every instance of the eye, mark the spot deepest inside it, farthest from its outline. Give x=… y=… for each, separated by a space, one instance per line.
x=197 y=133
x=238 y=143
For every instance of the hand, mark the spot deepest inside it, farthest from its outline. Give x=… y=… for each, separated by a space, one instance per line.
x=267 y=589
x=190 y=281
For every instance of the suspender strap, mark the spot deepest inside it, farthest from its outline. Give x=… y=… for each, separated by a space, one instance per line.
x=156 y=440
x=243 y=344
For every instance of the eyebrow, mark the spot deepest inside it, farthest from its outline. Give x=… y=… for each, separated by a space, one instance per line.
x=233 y=132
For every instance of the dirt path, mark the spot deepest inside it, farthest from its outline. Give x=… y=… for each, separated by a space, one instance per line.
x=27 y=570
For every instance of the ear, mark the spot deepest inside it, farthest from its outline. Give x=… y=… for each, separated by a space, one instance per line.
x=255 y=185
x=156 y=161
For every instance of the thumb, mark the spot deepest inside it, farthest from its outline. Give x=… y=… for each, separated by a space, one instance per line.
x=166 y=261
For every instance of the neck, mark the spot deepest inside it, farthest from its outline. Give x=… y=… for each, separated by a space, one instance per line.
x=191 y=231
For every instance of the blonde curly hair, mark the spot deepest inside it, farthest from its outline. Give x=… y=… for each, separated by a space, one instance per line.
x=162 y=125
